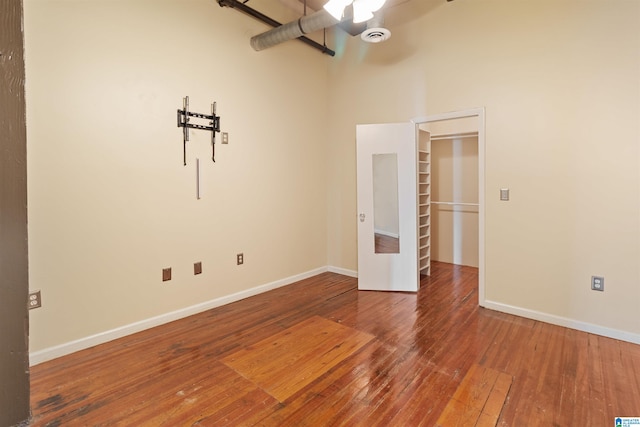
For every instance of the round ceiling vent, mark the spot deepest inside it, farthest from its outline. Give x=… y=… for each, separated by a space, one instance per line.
x=375 y=35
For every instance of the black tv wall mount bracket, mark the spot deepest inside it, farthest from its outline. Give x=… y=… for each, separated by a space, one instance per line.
x=184 y=121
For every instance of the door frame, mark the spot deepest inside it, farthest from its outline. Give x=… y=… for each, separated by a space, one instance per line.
x=480 y=114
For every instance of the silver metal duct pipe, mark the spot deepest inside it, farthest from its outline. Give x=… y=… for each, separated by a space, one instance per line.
x=292 y=30
x=235 y=4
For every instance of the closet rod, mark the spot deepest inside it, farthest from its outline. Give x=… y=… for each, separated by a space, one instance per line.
x=453 y=136
x=455 y=203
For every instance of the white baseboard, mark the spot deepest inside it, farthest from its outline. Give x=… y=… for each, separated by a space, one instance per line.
x=343 y=271
x=565 y=322
x=103 y=337
x=50 y=353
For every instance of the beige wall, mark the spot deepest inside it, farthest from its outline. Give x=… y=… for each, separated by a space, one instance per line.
x=559 y=81
x=454 y=178
x=110 y=203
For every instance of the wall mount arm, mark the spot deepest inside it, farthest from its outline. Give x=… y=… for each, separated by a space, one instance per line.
x=184 y=121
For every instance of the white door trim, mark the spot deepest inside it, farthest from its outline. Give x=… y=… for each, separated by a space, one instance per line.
x=480 y=114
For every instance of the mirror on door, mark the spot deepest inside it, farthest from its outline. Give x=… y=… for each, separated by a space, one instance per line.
x=385 y=203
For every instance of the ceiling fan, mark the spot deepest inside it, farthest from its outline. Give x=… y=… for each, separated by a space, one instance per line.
x=362 y=9
x=356 y=17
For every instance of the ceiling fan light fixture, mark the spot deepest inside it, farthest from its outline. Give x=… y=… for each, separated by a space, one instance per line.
x=336 y=7
x=375 y=5
x=361 y=11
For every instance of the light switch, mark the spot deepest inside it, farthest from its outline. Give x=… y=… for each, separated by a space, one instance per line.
x=504 y=194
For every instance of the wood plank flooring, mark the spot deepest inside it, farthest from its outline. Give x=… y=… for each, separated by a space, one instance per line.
x=408 y=360
x=308 y=349
x=478 y=400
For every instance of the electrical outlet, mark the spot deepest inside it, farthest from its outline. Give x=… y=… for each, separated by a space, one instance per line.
x=197 y=268
x=166 y=274
x=504 y=194
x=35 y=300
x=225 y=138
x=597 y=283
x=240 y=259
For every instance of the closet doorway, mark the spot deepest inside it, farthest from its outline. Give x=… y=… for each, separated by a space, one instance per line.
x=457 y=189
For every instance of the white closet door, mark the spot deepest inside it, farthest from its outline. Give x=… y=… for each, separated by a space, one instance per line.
x=387 y=200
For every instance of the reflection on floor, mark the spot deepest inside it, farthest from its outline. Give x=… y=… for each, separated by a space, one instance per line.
x=386 y=244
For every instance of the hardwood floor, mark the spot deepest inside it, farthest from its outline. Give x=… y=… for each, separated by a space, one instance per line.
x=321 y=353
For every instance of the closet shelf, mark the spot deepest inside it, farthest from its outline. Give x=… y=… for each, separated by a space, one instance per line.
x=423 y=161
